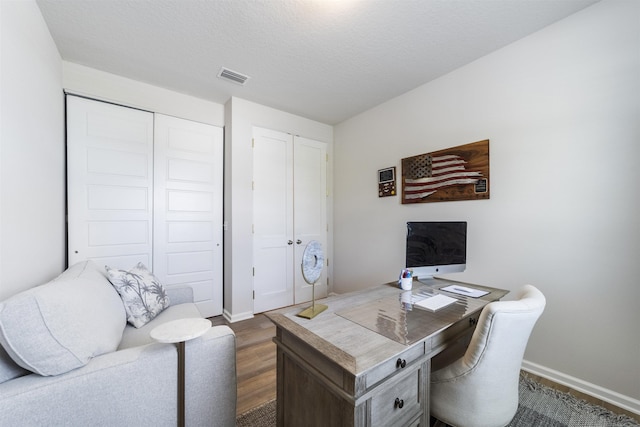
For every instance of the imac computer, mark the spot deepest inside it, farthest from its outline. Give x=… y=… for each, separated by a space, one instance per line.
x=436 y=248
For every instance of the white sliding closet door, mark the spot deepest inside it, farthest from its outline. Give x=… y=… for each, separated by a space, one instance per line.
x=289 y=210
x=188 y=174
x=139 y=192
x=109 y=183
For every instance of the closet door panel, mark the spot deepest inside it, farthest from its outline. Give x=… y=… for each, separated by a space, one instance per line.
x=109 y=183
x=181 y=200
x=188 y=209
x=273 y=239
x=191 y=262
x=310 y=210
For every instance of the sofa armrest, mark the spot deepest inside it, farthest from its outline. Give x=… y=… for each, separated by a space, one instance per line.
x=135 y=386
x=211 y=395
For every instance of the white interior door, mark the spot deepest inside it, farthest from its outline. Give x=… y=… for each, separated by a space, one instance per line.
x=188 y=198
x=310 y=210
x=109 y=183
x=290 y=210
x=272 y=219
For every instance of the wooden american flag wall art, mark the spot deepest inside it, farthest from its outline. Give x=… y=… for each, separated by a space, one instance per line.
x=457 y=173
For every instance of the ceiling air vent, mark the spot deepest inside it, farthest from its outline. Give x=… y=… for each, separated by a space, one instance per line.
x=233 y=76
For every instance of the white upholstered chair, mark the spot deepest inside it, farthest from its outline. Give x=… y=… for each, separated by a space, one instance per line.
x=480 y=389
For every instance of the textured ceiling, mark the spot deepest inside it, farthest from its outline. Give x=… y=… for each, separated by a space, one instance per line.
x=327 y=60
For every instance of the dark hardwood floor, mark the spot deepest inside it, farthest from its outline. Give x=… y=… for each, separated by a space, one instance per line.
x=255 y=360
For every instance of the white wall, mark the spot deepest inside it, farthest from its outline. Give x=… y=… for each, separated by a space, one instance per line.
x=32 y=183
x=241 y=116
x=562 y=111
x=98 y=84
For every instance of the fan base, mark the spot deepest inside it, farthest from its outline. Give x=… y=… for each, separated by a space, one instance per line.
x=312 y=311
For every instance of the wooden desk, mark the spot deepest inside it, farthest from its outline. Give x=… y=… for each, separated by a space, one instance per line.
x=366 y=360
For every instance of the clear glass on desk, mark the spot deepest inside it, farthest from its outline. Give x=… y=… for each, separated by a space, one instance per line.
x=395 y=316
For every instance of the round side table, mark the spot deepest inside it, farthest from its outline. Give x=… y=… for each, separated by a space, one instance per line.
x=179 y=331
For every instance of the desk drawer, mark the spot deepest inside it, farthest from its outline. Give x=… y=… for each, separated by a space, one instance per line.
x=456 y=331
x=397 y=403
x=397 y=364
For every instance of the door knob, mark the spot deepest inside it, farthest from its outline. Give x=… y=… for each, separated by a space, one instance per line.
x=298 y=241
x=290 y=242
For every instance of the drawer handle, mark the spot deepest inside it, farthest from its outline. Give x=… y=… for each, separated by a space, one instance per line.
x=401 y=363
x=399 y=403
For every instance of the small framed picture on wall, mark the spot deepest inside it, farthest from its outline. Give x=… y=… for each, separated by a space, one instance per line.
x=387 y=182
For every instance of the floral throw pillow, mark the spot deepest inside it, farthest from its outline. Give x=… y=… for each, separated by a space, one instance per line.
x=143 y=295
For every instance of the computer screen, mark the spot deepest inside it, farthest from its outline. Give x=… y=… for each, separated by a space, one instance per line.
x=436 y=247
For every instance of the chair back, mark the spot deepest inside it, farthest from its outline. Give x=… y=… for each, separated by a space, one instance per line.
x=481 y=388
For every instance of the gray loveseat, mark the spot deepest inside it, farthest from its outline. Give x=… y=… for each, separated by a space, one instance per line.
x=80 y=363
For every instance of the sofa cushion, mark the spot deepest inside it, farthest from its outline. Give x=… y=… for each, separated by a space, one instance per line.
x=142 y=293
x=59 y=326
x=8 y=368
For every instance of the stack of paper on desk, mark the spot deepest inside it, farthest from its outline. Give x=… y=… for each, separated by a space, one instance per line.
x=435 y=302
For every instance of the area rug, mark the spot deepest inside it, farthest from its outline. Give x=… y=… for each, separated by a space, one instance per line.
x=546 y=407
x=262 y=416
x=540 y=406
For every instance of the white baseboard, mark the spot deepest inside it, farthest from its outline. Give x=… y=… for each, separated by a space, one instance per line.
x=609 y=396
x=238 y=317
